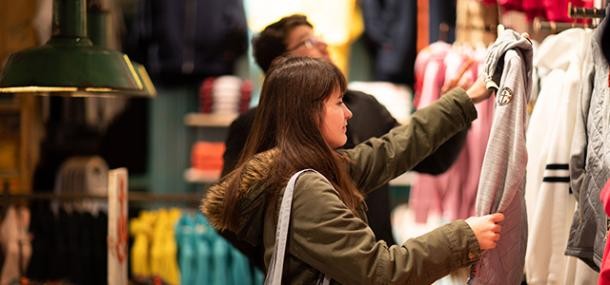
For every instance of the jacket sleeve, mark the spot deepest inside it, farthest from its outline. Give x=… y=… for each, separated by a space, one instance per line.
x=578 y=151
x=372 y=119
x=327 y=236
x=378 y=160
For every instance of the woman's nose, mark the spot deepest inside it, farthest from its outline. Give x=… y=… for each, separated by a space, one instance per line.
x=348 y=113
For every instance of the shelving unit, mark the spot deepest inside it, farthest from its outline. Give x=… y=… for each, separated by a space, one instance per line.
x=209 y=120
x=193 y=175
x=212 y=127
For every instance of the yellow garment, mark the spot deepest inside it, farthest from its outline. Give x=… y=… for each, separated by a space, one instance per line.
x=339 y=23
x=164 y=261
x=340 y=53
x=141 y=228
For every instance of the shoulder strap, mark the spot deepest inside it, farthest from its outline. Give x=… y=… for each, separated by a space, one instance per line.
x=274 y=274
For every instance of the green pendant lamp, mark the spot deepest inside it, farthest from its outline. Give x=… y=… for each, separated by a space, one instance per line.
x=97 y=23
x=69 y=64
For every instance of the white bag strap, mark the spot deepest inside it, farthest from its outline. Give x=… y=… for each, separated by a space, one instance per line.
x=274 y=274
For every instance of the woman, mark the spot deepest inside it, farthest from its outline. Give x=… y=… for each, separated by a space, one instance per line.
x=328 y=231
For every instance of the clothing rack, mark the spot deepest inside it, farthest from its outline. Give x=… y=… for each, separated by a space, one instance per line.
x=555 y=27
x=574 y=13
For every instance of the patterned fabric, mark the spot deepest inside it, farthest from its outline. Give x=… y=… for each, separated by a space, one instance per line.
x=590 y=161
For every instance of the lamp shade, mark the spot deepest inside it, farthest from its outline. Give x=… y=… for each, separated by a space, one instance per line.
x=69 y=63
x=98 y=33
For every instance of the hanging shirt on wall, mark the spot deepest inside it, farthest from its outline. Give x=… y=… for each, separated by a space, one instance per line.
x=187 y=39
x=508 y=69
x=390 y=26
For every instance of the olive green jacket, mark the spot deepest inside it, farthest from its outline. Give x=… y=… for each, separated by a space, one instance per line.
x=325 y=236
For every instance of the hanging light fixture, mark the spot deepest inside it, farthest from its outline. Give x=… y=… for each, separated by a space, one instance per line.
x=97 y=24
x=69 y=64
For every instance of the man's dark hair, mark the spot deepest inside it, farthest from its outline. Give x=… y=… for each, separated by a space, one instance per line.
x=271 y=42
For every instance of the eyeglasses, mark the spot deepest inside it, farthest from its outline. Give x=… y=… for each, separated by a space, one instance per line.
x=308 y=43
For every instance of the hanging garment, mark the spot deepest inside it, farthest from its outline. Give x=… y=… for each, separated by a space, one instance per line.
x=204 y=234
x=430 y=70
x=452 y=194
x=508 y=69
x=163 y=251
x=441 y=16
x=240 y=270
x=590 y=159
x=15 y=244
x=43 y=229
x=141 y=229
x=185 y=238
x=390 y=25
x=186 y=40
x=220 y=261
x=549 y=200
x=428 y=65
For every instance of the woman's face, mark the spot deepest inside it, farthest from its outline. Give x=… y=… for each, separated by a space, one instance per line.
x=334 y=120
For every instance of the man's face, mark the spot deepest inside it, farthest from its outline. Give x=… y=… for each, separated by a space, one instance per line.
x=302 y=42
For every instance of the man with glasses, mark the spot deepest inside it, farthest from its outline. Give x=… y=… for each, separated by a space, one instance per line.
x=294 y=35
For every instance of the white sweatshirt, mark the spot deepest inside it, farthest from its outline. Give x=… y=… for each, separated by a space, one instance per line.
x=549 y=199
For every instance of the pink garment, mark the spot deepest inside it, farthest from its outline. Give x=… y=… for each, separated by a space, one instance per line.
x=433 y=53
x=604 y=273
x=452 y=194
x=430 y=75
x=16 y=244
x=459 y=202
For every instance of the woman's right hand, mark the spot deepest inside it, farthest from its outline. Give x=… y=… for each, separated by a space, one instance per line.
x=487 y=229
x=478 y=91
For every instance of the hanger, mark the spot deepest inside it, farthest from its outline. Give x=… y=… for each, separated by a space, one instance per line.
x=585 y=13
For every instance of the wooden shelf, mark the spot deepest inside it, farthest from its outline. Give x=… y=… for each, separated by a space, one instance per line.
x=209 y=120
x=201 y=176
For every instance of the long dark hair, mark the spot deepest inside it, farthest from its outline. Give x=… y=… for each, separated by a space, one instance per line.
x=289 y=117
